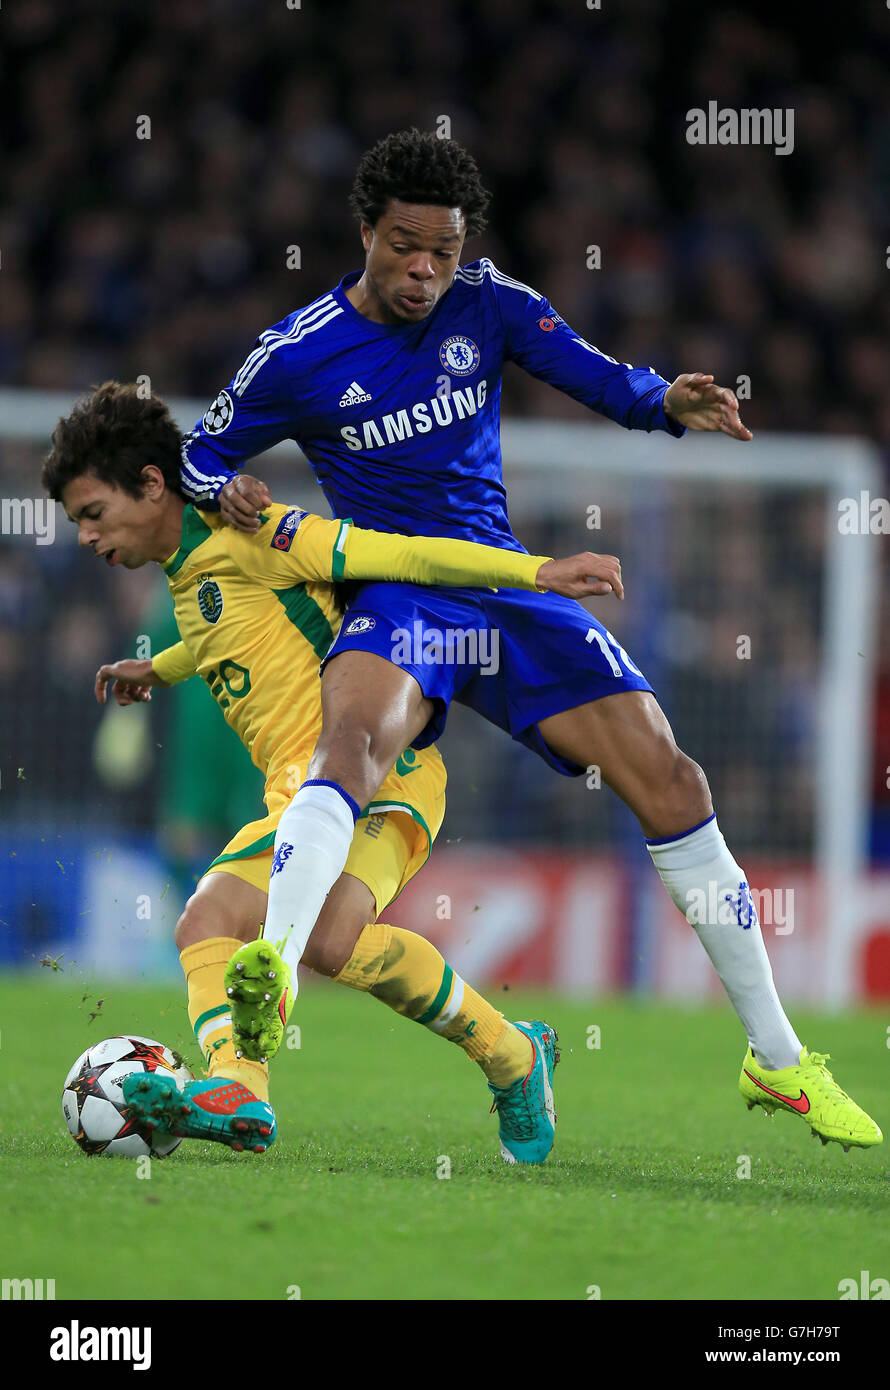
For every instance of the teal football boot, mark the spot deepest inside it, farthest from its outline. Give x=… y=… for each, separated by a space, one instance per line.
x=525 y=1110
x=218 y=1109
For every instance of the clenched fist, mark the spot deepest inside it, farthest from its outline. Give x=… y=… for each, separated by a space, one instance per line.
x=580 y=576
x=241 y=501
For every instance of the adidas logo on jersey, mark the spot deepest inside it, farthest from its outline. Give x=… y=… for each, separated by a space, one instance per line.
x=355 y=395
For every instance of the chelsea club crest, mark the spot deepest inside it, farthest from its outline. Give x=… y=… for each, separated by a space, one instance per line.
x=210 y=601
x=459 y=355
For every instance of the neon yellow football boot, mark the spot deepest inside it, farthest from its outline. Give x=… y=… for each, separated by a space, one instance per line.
x=809 y=1090
x=258 y=985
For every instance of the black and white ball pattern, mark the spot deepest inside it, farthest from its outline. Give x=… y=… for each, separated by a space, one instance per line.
x=93 y=1102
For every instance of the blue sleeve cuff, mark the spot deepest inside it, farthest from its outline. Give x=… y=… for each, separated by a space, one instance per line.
x=208 y=500
x=661 y=421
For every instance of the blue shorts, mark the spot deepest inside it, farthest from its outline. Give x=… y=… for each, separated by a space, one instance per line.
x=514 y=656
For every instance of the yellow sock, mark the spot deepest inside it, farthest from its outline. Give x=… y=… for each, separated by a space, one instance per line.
x=406 y=972
x=211 y=1015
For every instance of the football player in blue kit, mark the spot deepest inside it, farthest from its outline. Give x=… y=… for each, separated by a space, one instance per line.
x=391 y=385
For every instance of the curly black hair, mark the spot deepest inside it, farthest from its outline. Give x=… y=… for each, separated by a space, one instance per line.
x=415 y=166
x=114 y=433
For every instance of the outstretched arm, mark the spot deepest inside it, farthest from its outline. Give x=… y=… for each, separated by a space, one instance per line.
x=293 y=547
x=131 y=679
x=543 y=344
x=442 y=560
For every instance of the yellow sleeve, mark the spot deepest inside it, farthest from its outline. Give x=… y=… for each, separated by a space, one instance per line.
x=432 y=560
x=174 y=664
x=292 y=546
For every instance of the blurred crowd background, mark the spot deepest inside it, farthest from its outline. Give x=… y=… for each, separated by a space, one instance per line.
x=166 y=256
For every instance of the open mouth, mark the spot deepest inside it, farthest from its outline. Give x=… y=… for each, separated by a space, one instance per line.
x=108 y=556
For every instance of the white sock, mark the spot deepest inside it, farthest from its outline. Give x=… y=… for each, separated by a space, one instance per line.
x=712 y=892
x=311 y=846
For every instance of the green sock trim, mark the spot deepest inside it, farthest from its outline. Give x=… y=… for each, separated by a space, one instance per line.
x=441 y=998
x=211 y=1013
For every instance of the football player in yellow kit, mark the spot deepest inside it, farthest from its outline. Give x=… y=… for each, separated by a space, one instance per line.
x=256 y=613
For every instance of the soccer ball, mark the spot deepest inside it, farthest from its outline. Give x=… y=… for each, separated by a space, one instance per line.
x=93 y=1102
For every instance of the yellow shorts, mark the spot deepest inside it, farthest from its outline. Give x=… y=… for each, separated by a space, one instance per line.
x=392 y=840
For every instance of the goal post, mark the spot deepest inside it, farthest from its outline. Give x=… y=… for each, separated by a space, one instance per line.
x=545 y=460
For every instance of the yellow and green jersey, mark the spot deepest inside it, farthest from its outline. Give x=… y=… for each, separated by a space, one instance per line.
x=257 y=612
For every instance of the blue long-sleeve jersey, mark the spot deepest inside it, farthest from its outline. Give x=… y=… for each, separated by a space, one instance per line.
x=401 y=423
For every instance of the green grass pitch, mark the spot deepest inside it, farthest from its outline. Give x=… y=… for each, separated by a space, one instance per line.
x=641 y=1197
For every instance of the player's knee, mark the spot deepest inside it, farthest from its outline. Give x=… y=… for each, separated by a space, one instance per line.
x=195 y=924
x=325 y=954
x=349 y=907
x=371 y=741
x=677 y=793
x=360 y=751
x=686 y=794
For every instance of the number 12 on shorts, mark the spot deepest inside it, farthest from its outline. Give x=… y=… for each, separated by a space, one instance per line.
x=605 y=643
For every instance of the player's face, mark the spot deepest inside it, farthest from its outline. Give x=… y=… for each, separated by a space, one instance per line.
x=118 y=528
x=412 y=254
